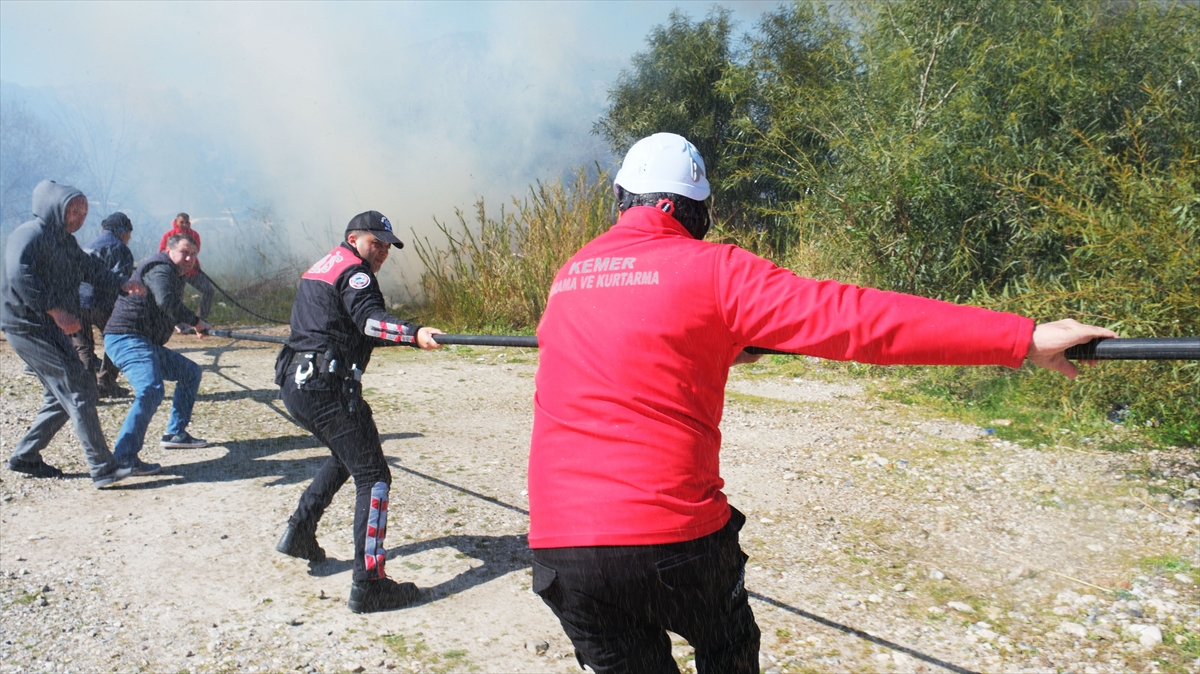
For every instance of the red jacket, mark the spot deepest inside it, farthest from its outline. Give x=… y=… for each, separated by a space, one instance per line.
x=189 y=233
x=639 y=332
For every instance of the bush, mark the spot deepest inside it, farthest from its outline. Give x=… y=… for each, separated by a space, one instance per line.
x=494 y=274
x=1031 y=156
x=1133 y=263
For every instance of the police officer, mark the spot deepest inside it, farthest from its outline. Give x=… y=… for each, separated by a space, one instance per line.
x=338 y=318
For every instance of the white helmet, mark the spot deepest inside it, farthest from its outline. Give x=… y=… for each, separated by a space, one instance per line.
x=664 y=162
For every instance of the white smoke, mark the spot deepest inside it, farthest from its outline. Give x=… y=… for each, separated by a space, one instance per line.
x=306 y=114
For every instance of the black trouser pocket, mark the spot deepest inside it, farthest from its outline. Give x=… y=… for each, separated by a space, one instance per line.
x=736 y=520
x=543 y=578
x=713 y=574
x=691 y=569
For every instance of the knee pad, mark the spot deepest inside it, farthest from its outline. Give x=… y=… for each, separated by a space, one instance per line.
x=377 y=531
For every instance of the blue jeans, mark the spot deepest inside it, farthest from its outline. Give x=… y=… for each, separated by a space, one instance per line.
x=146 y=365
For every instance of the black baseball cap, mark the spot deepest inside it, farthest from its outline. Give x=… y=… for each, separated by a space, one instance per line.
x=118 y=223
x=375 y=223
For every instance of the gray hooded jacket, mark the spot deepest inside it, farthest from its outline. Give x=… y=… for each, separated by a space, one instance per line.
x=44 y=265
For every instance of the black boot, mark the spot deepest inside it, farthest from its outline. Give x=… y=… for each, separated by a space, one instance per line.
x=385 y=594
x=37 y=468
x=301 y=543
x=107 y=391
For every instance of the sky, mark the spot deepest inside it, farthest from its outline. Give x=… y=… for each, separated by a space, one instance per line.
x=308 y=113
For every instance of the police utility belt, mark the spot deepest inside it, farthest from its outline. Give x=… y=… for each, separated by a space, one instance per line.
x=306 y=364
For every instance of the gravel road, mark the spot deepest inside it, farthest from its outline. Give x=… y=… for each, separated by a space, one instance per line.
x=881 y=537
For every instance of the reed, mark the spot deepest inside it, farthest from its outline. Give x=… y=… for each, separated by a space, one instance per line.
x=492 y=274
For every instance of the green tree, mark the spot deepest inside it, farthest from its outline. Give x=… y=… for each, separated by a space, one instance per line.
x=1037 y=156
x=1133 y=264
x=778 y=152
x=672 y=87
x=892 y=149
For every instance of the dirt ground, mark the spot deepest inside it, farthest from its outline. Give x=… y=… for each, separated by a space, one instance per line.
x=881 y=537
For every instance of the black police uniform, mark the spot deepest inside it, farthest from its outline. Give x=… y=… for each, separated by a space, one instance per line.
x=338 y=318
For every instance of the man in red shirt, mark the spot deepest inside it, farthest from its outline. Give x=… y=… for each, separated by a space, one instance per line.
x=630 y=531
x=195 y=278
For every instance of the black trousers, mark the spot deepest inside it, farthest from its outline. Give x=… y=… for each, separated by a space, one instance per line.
x=322 y=407
x=616 y=603
x=85 y=346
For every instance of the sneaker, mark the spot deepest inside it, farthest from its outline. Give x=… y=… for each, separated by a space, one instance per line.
x=182 y=441
x=370 y=596
x=37 y=468
x=142 y=468
x=113 y=391
x=301 y=544
x=112 y=477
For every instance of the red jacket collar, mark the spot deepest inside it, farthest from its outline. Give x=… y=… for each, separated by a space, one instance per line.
x=650 y=219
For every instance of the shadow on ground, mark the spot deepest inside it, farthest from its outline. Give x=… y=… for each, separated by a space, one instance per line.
x=262 y=395
x=248 y=459
x=500 y=555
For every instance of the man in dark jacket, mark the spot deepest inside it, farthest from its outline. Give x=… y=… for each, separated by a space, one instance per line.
x=195 y=278
x=39 y=290
x=338 y=318
x=95 y=306
x=135 y=336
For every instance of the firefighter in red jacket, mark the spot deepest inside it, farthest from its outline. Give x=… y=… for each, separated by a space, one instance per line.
x=630 y=531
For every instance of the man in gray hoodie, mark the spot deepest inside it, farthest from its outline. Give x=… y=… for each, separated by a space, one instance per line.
x=39 y=293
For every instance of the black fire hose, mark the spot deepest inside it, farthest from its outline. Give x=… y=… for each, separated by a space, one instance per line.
x=1162 y=348
x=239 y=305
x=250 y=336
x=1159 y=348
x=465 y=340
x=488 y=340
x=1167 y=348
x=1109 y=348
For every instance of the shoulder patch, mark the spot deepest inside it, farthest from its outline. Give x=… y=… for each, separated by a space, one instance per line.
x=330 y=267
x=360 y=281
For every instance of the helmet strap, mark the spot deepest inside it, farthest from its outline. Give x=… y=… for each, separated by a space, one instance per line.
x=666 y=206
